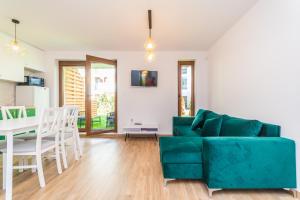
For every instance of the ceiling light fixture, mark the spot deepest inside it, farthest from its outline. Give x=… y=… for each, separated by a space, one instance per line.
x=149 y=45
x=14 y=44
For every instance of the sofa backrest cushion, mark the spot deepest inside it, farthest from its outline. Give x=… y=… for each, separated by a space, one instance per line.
x=210 y=114
x=199 y=119
x=212 y=127
x=232 y=126
x=270 y=130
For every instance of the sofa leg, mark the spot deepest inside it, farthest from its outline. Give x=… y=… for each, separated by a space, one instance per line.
x=166 y=181
x=210 y=191
x=294 y=192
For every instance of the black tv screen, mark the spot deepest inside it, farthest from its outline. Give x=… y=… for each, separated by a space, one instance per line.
x=144 y=78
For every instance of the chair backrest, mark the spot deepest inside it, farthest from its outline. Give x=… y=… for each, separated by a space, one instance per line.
x=49 y=125
x=71 y=116
x=7 y=112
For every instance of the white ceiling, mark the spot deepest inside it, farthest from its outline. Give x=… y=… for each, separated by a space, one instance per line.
x=121 y=24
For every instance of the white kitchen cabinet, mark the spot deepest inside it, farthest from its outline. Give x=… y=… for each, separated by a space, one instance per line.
x=34 y=58
x=32 y=96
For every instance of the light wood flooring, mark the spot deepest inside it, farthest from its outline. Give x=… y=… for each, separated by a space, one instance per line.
x=112 y=169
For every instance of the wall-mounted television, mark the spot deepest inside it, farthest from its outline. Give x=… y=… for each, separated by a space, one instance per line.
x=143 y=78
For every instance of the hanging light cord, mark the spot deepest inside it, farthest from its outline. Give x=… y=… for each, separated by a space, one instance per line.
x=150 y=21
x=15 y=32
x=16 y=22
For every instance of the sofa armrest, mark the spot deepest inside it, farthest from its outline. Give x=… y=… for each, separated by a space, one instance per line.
x=183 y=121
x=249 y=163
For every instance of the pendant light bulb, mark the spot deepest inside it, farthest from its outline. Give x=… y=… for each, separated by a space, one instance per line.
x=15 y=45
x=149 y=46
x=150 y=56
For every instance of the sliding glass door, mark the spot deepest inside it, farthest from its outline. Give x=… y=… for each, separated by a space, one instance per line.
x=102 y=94
x=92 y=86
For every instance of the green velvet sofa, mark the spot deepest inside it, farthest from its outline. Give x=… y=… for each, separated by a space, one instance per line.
x=247 y=154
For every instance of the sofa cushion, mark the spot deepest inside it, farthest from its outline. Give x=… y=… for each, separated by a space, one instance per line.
x=212 y=127
x=210 y=114
x=199 y=120
x=270 y=130
x=181 y=149
x=186 y=131
x=232 y=126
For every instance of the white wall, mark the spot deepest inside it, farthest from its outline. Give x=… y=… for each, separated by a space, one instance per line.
x=255 y=68
x=12 y=66
x=7 y=93
x=157 y=104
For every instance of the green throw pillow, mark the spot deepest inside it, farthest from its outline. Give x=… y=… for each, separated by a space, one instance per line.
x=210 y=114
x=199 y=119
x=212 y=127
x=232 y=126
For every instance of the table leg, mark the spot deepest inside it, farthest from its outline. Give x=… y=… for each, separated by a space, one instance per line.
x=9 y=166
x=156 y=136
x=125 y=136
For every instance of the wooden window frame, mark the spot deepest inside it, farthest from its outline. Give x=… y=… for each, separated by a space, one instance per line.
x=89 y=60
x=192 y=64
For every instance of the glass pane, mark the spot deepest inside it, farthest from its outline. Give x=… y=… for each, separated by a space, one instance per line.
x=74 y=90
x=186 y=90
x=103 y=89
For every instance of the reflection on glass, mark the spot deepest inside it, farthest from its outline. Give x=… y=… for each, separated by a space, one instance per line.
x=74 y=90
x=103 y=88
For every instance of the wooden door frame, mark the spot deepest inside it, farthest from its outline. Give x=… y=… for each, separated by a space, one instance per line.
x=61 y=65
x=192 y=64
x=89 y=60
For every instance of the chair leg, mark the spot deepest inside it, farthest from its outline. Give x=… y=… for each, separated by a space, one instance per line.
x=4 y=170
x=33 y=162
x=64 y=155
x=21 y=163
x=75 y=147
x=25 y=160
x=76 y=133
x=57 y=158
x=40 y=171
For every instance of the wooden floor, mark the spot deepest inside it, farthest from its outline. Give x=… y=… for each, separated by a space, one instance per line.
x=112 y=169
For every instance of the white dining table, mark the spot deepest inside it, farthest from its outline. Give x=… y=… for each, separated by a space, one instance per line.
x=9 y=128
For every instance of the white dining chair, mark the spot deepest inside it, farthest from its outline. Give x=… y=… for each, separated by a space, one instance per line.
x=70 y=130
x=69 y=133
x=7 y=114
x=49 y=125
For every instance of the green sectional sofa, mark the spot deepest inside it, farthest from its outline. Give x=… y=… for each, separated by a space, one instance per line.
x=228 y=153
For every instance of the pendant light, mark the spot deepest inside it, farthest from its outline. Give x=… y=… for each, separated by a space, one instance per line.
x=149 y=45
x=14 y=44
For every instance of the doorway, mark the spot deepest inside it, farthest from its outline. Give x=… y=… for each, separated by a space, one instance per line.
x=92 y=86
x=186 y=94
x=101 y=94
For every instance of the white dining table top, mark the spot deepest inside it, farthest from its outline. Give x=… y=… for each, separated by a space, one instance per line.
x=14 y=125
